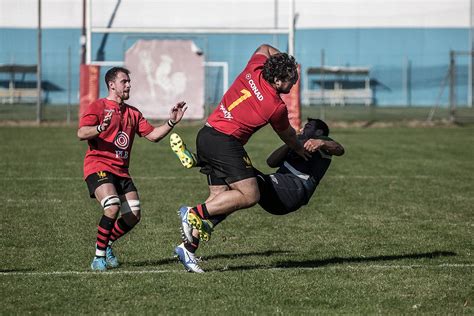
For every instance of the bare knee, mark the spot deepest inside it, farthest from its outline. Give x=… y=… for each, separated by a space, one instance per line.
x=249 y=190
x=131 y=212
x=215 y=190
x=253 y=198
x=111 y=205
x=250 y=198
x=111 y=212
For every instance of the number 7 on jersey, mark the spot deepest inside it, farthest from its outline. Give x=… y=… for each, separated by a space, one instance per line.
x=245 y=95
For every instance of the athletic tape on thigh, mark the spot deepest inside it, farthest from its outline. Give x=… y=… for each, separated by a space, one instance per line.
x=110 y=201
x=130 y=206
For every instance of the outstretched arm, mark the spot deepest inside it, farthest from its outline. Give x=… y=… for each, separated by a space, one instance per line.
x=277 y=157
x=330 y=146
x=176 y=114
x=288 y=136
x=266 y=50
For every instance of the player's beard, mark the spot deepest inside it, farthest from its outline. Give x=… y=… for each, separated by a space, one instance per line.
x=284 y=91
x=125 y=95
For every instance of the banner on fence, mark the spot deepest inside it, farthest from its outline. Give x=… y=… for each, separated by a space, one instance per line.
x=88 y=86
x=164 y=72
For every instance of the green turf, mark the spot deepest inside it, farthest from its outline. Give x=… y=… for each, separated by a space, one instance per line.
x=391 y=114
x=389 y=231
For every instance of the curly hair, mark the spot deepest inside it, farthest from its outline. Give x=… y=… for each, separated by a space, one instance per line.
x=112 y=74
x=280 y=66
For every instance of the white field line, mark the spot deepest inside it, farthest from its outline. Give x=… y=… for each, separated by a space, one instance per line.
x=62 y=273
x=340 y=267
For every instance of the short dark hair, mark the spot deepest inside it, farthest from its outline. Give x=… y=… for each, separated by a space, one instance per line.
x=280 y=66
x=315 y=127
x=112 y=74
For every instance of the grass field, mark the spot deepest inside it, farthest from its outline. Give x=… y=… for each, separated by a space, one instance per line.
x=392 y=114
x=389 y=231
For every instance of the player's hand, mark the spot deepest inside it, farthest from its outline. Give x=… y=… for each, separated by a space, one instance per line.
x=106 y=121
x=177 y=112
x=312 y=145
x=303 y=153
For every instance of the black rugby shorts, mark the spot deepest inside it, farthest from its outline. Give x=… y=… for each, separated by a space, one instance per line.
x=121 y=184
x=281 y=194
x=222 y=157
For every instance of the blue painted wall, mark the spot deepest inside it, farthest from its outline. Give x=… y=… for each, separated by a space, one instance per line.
x=385 y=51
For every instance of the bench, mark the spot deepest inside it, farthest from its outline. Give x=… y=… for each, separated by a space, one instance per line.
x=338 y=97
x=18 y=95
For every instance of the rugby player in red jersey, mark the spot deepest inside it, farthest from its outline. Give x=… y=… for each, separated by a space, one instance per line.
x=251 y=102
x=109 y=125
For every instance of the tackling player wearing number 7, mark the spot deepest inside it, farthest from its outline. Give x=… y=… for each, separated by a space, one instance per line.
x=251 y=102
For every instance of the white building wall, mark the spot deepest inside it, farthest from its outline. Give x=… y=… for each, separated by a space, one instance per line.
x=240 y=13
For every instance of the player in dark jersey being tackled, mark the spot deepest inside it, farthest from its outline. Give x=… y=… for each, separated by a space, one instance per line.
x=292 y=185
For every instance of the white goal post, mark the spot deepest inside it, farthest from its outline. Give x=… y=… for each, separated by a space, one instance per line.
x=215 y=19
x=90 y=29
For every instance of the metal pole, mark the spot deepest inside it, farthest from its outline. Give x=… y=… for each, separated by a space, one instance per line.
x=407 y=80
x=275 y=22
x=88 y=32
x=452 y=86
x=69 y=70
x=291 y=33
x=409 y=83
x=38 y=70
x=471 y=62
x=323 y=112
x=83 y=35
x=404 y=79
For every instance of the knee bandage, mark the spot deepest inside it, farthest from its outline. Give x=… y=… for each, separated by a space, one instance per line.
x=110 y=201
x=130 y=206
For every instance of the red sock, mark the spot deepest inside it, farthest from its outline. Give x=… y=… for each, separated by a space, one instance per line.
x=193 y=245
x=120 y=228
x=201 y=211
x=103 y=235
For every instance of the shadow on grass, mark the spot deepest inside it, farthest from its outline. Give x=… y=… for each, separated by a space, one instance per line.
x=247 y=254
x=218 y=256
x=16 y=270
x=337 y=260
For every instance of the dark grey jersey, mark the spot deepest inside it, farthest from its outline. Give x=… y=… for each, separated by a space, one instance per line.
x=294 y=182
x=316 y=166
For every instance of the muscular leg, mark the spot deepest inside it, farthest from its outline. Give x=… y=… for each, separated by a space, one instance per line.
x=103 y=191
x=214 y=190
x=223 y=201
x=106 y=194
x=130 y=216
x=242 y=194
x=133 y=216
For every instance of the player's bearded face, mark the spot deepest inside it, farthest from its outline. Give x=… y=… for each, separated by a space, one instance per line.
x=121 y=86
x=284 y=86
